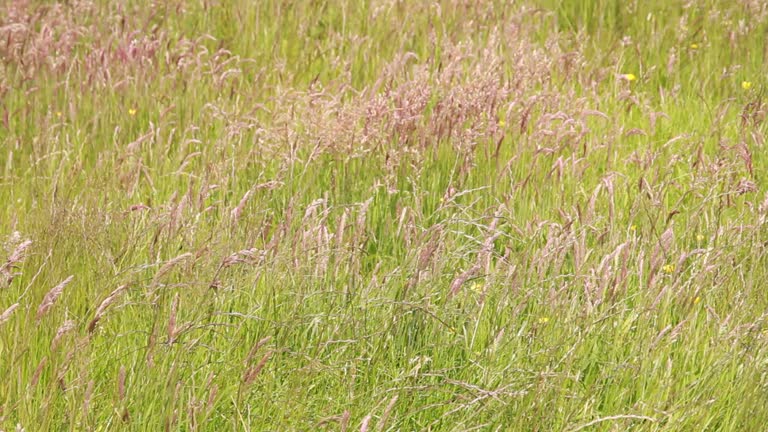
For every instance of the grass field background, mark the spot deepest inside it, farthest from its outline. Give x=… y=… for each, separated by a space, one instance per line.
x=383 y=215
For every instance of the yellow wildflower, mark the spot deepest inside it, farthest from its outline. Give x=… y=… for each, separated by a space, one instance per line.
x=699 y=238
x=669 y=268
x=132 y=112
x=629 y=77
x=543 y=320
x=58 y=114
x=633 y=228
x=502 y=123
x=746 y=85
x=476 y=287
x=696 y=300
x=694 y=46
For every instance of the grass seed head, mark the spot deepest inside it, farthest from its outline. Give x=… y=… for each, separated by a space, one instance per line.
x=51 y=297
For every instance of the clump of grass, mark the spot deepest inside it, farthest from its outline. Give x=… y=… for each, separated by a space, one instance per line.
x=316 y=222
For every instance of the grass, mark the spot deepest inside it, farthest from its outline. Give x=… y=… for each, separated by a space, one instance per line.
x=383 y=216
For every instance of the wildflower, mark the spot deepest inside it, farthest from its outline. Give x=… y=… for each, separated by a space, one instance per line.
x=697 y=300
x=476 y=287
x=502 y=123
x=543 y=320
x=132 y=112
x=629 y=77
x=669 y=268
x=633 y=228
x=699 y=238
x=58 y=114
x=694 y=46
x=746 y=85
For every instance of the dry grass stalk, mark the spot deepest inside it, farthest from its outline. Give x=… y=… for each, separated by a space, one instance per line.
x=168 y=266
x=87 y=397
x=121 y=384
x=173 y=330
x=14 y=260
x=484 y=257
x=64 y=365
x=38 y=371
x=152 y=341
x=247 y=256
x=238 y=211
x=255 y=348
x=428 y=251
x=65 y=328
x=461 y=279
x=345 y=420
x=176 y=209
x=101 y=310
x=366 y=422
x=385 y=416
x=18 y=254
x=340 y=229
x=5 y=316
x=51 y=297
x=212 y=396
x=252 y=372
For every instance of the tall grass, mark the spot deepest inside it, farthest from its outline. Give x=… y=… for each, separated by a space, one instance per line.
x=355 y=216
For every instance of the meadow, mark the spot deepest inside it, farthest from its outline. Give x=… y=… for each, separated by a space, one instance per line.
x=382 y=215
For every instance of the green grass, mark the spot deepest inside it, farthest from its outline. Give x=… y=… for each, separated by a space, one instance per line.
x=384 y=216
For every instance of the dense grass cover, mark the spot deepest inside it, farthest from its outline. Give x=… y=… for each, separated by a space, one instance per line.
x=383 y=215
